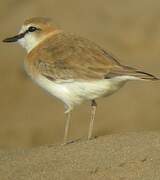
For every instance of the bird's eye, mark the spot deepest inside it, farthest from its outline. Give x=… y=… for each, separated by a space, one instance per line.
x=32 y=29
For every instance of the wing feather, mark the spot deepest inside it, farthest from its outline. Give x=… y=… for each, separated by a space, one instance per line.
x=66 y=56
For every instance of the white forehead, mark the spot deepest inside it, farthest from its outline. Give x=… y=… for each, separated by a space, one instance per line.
x=25 y=27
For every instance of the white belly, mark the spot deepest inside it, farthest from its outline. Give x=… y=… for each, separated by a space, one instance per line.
x=74 y=92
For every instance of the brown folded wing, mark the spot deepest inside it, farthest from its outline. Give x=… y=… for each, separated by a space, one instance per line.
x=66 y=56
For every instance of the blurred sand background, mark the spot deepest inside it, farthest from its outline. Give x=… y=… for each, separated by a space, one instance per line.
x=29 y=117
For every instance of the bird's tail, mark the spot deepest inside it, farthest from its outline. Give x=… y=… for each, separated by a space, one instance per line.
x=144 y=76
x=131 y=73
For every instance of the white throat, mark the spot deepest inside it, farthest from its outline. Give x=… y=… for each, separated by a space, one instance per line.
x=30 y=41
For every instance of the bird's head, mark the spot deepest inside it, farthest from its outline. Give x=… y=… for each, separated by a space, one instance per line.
x=33 y=31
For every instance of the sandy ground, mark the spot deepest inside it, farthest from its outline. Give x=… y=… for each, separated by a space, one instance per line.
x=129 y=156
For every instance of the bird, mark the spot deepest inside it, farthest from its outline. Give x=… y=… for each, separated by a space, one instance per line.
x=72 y=68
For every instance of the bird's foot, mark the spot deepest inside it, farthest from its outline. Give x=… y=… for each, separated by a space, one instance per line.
x=70 y=142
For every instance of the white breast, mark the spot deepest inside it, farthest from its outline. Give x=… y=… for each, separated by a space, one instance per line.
x=75 y=92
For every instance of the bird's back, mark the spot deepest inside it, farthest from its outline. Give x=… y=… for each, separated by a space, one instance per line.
x=67 y=56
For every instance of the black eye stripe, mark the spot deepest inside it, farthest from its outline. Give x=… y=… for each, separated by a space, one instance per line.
x=32 y=29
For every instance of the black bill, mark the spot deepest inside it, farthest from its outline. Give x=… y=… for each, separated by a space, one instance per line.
x=14 y=38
